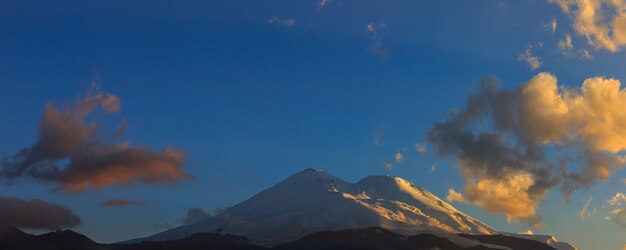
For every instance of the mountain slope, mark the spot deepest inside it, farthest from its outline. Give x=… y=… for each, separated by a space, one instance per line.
x=313 y=201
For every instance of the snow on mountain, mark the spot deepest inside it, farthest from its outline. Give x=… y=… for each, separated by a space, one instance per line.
x=313 y=201
x=548 y=239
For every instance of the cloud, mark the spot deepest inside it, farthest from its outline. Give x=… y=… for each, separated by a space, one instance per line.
x=376 y=47
x=122 y=202
x=453 y=195
x=70 y=152
x=432 y=168
x=553 y=26
x=506 y=159
x=380 y=136
x=287 y=22
x=35 y=214
x=533 y=61
x=399 y=157
x=602 y=22
x=421 y=148
x=388 y=166
x=617 y=199
x=510 y=196
x=617 y=214
x=194 y=215
x=584 y=211
x=323 y=3
x=585 y=55
x=565 y=46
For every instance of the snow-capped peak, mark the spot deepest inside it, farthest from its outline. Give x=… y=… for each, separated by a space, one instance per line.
x=312 y=201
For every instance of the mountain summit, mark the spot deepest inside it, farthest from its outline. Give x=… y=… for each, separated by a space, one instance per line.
x=312 y=201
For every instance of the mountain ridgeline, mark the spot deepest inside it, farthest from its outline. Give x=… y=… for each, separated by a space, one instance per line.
x=314 y=210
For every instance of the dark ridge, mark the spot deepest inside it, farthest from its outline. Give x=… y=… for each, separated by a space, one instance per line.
x=370 y=238
x=193 y=242
x=373 y=238
x=509 y=241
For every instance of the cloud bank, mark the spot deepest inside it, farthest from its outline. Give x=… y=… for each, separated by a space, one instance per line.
x=35 y=214
x=500 y=139
x=70 y=152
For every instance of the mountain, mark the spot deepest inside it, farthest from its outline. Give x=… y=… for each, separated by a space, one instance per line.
x=12 y=238
x=356 y=239
x=313 y=201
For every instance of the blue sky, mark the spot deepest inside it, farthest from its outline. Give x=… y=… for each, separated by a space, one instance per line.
x=253 y=92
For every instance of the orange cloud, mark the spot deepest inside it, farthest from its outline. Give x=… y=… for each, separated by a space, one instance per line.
x=507 y=161
x=70 y=152
x=603 y=23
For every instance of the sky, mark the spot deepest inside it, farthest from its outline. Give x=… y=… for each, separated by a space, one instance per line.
x=121 y=119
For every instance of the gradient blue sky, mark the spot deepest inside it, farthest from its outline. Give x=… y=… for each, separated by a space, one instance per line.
x=252 y=102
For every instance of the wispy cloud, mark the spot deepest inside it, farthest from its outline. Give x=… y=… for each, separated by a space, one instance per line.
x=388 y=166
x=553 y=25
x=70 y=152
x=618 y=213
x=585 y=55
x=584 y=211
x=433 y=168
x=376 y=47
x=565 y=46
x=533 y=61
x=287 y=22
x=421 y=148
x=380 y=135
x=323 y=3
x=35 y=214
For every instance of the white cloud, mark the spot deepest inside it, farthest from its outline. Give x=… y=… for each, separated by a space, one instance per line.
x=376 y=47
x=421 y=148
x=323 y=3
x=617 y=215
x=432 y=168
x=399 y=157
x=533 y=61
x=584 y=212
x=617 y=199
x=551 y=26
x=288 y=22
x=388 y=166
x=585 y=55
